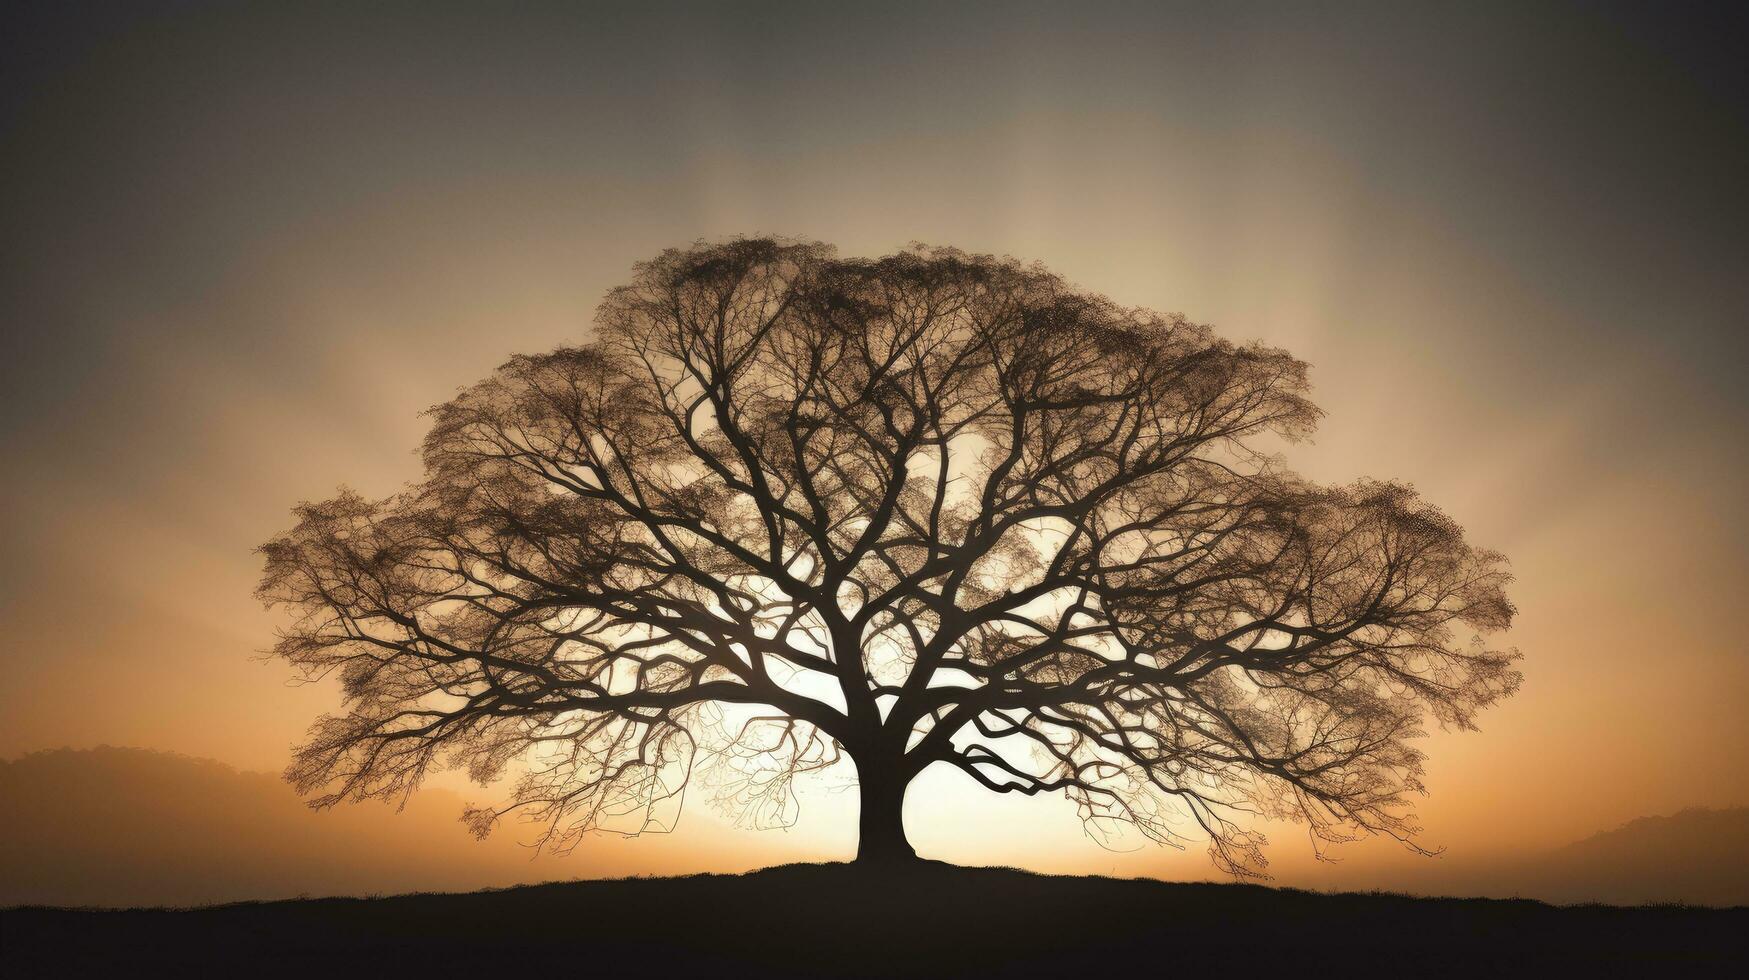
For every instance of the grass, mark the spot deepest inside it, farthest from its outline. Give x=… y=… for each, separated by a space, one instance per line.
x=929 y=919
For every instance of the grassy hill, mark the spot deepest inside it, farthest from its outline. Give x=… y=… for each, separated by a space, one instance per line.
x=841 y=920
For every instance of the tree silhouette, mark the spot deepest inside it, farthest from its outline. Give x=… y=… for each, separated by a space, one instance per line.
x=934 y=508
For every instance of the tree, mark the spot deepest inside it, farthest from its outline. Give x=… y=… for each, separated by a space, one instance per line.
x=930 y=509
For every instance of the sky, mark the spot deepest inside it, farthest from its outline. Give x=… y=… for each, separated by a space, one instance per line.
x=244 y=246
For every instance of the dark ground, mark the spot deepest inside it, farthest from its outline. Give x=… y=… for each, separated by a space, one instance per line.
x=832 y=920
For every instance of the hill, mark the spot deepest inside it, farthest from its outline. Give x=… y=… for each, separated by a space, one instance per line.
x=1697 y=855
x=123 y=826
x=116 y=826
x=842 y=920
x=112 y=826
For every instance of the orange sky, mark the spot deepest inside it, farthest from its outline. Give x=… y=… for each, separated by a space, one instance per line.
x=245 y=247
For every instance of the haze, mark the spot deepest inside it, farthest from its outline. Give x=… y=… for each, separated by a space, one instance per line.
x=245 y=246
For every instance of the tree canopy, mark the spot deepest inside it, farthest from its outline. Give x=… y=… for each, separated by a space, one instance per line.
x=933 y=508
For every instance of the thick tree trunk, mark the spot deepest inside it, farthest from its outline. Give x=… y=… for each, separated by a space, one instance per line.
x=881 y=837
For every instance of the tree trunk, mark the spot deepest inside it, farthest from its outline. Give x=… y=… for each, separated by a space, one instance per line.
x=881 y=838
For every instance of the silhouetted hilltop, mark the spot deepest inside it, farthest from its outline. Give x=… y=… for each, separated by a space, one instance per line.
x=118 y=827
x=836 y=920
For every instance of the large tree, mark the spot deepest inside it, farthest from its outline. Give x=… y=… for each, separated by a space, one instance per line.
x=929 y=509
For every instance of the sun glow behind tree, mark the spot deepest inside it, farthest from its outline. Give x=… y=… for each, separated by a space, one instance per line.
x=928 y=509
